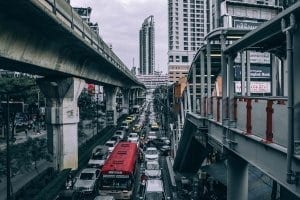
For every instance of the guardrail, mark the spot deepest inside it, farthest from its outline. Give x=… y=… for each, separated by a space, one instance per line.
x=64 y=11
x=265 y=117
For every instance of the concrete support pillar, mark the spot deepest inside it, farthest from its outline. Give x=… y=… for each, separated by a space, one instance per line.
x=237 y=178
x=62 y=117
x=111 y=113
x=125 y=102
x=248 y=79
x=182 y=110
x=243 y=71
x=188 y=93
x=208 y=57
x=202 y=110
x=231 y=91
x=185 y=101
x=275 y=64
x=224 y=80
x=194 y=89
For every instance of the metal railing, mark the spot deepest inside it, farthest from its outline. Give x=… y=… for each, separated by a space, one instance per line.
x=264 y=117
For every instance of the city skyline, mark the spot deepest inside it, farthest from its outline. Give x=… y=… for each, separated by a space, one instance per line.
x=121 y=28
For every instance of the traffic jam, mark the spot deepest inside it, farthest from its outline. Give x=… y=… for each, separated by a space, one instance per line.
x=130 y=165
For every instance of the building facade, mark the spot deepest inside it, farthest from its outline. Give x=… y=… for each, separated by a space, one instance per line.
x=147 y=48
x=188 y=25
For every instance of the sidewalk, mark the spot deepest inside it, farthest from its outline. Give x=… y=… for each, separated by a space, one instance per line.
x=21 y=137
x=20 y=180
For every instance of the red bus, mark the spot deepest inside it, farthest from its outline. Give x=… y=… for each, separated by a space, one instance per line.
x=118 y=172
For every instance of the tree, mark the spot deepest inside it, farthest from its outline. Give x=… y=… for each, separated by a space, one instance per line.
x=22 y=89
x=86 y=106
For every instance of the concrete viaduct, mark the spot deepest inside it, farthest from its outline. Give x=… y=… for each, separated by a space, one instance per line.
x=47 y=38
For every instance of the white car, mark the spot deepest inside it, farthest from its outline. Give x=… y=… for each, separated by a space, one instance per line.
x=133 y=137
x=151 y=154
x=87 y=180
x=111 y=145
x=120 y=134
x=98 y=157
x=152 y=170
x=151 y=135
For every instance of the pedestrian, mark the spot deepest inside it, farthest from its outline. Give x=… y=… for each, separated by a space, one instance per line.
x=26 y=132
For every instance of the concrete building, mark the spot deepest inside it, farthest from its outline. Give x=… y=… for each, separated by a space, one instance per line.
x=147 y=52
x=85 y=14
x=188 y=24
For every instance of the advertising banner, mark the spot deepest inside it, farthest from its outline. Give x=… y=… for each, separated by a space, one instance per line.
x=255 y=87
x=256 y=71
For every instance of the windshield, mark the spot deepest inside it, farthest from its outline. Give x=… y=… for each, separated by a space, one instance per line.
x=109 y=144
x=116 y=183
x=86 y=176
x=132 y=135
x=154 y=196
x=152 y=166
x=97 y=156
x=151 y=152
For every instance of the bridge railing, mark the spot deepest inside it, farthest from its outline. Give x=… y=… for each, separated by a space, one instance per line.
x=64 y=11
x=264 y=117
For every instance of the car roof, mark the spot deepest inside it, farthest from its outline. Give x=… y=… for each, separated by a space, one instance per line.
x=154 y=185
x=89 y=170
x=151 y=148
x=152 y=162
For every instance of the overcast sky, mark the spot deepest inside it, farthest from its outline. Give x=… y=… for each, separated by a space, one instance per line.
x=120 y=21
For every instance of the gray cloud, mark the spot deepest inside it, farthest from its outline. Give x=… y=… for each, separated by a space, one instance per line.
x=120 y=22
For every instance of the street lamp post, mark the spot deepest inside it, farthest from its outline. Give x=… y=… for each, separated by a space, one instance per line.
x=8 y=189
x=97 y=114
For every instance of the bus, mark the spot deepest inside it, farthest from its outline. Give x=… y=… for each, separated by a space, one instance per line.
x=118 y=172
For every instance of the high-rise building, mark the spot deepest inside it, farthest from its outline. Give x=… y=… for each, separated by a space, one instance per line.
x=188 y=24
x=147 y=53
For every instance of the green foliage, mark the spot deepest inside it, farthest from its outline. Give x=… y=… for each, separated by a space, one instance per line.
x=20 y=89
x=23 y=155
x=86 y=106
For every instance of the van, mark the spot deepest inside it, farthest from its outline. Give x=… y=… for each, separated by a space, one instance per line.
x=154 y=190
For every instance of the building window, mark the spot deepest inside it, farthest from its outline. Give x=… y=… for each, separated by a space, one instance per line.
x=177 y=59
x=170 y=58
x=185 y=59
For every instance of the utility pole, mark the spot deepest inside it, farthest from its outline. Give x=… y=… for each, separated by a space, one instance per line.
x=7 y=151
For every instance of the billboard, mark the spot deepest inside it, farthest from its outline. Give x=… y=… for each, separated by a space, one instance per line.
x=258 y=87
x=255 y=57
x=256 y=72
x=245 y=24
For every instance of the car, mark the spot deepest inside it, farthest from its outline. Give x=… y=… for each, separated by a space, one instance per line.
x=151 y=136
x=120 y=134
x=151 y=154
x=165 y=150
x=133 y=137
x=87 y=181
x=111 y=145
x=129 y=119
x=99 y=155
x=154 y=189
x=115 y=138
x=104 y=197
x=137 y=128
x=152 y=170
x=165 y=140
x=154 y=126
x=125 y=125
